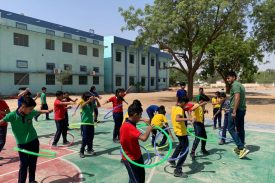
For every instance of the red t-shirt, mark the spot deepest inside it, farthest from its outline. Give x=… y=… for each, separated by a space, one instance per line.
x=3 y=107
x=116 y=102
x=59 y=110
x=129 y=135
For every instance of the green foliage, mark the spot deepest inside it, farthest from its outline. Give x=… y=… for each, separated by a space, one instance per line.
x=267 y=76
x=138 y=86
x=176 y=76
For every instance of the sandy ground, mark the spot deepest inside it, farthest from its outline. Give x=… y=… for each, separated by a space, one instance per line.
x=260 y=102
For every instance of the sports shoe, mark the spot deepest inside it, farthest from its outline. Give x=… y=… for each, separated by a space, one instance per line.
x=221 y=142
x=178 y=173
x=205 y=152
x=54 y=145
x=1 y=158
x=236 y=150
x=121 y=161
x=172 y=164
x=243 y=153
x=66 y=143
x=35 y=118
x=82 y=155
x=192 y=155
x=34 y=181
x=91 y=152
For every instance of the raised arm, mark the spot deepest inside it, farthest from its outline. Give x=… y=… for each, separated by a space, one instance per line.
x=144 y=137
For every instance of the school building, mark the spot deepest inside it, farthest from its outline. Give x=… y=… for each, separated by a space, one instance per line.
x=36 y=53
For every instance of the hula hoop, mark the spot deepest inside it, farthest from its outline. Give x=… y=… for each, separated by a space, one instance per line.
x=154 y=164
x=224 y=138
x=152 y=148
x=77 y=125
x=62 y=146
x=147 y=152
x=42 y=152
x=107 y=115
x=201 y=138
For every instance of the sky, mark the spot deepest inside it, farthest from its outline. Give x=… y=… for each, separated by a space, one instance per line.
x=100 y=15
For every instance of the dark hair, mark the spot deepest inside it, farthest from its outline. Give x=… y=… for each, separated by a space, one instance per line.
x=137 y=102
x=43 y=88
x=28 y=94
x=92 y=89
x=59 y=93
x=200 y=89
x=119 y=90
x=161 y=110
x=182 y=84
x=232 y=73
x=223 y=95
x=218 y=93
x=22 y=88
x=134 y=109
x=66 y=93
x=86 y=96
x=183 y=100
x=28 y=102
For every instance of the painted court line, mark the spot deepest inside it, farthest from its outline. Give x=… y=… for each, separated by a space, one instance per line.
x=152 y=171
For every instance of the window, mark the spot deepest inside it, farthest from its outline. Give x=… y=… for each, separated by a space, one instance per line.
x=20 y=39
x=96 y=80
x=50 y=66
x=96 y=69
x=69 y=36
x=83 y=39
x=143 y=59
x=132 y=59
x=158 y=65
x=152 y=81
x=164 y=65
x=152 y=62
x=83 y=68
x=21 y=78
x=67 y=47
x=21 y=64
x=118 y=80
x=50 y=79
x=49 y=44
x=118 y=56
x=21 y=26
x=83 y=80
x=159 y=80
x=67 y=67
x=96 y=42
x=95 y=52
x=143 y=81
x=82 y=50
x=50 y=32
x=164 y=80
x=132 y=80
x=68 y=80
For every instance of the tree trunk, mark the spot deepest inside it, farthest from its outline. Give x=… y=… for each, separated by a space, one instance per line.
x=190 y=78
x=227 y=87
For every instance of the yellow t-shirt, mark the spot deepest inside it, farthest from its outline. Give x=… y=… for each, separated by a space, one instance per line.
x=198 y=114
x=158 y=120
x=215 y=100
x=179 y=127
x=125 y=116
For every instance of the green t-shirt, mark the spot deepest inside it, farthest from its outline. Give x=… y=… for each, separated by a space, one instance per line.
x=22 y=127
x=87 y=114
x=43 y=98
x=237 y=87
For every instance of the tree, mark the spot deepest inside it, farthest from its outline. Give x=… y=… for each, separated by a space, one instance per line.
x=184 y=28
x=264 y=23
x=232 y=52
x=175 y=76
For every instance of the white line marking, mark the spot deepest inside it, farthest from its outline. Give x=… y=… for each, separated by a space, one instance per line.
x=152 y=171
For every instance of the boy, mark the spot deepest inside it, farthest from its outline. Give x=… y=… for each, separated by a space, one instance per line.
x=96 y=102
x=24 y=93
x=67 y=99
x=4 y=109
x=199 y=128
x=44 y=105
x=216 y=107
x=26 y=137
x=59 y=117
x=178 y=122
x=151 y=110
x=129 y=136
x=181 y=92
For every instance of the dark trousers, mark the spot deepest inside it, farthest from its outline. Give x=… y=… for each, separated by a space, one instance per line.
x=3 y=135
x=136 y=174
x=237 y=124
x=118 y=118
x=181 y=148
x=200 y=132
x=61 y=128
x=44 y=107
x=225 y=125
x=28 y=161
x=218 y=118
x=150 y=114
x=66 y=119
x=95 y=113
x=164 y=138
x=88 y=133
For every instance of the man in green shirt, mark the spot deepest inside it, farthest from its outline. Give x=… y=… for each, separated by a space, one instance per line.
x=44 y=105
x=237 y=114
x=26 y=136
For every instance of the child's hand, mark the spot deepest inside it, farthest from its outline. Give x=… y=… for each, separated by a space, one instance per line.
x=150 y=127
x=51 y=110
x=92 y=98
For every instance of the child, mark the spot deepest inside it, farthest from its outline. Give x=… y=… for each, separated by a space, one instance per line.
x=4 y=109
x=181 y=92
x=26 y=137
x=117 y=112
x=96 y=102
x=24 y=94
x=160 y=120
x=151 y=110
x=129 y=142
x=87 y=131
x=216 y=107
x=59 y=117
x=135 y=102
x=198 y=115
x=225 y=105
x=44 y=105
x=178 y=122
x=67 y=99
x=201 y=93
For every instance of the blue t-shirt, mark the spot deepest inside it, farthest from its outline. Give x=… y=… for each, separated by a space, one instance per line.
x=153 y=108
x=20 y=100
x=181 y=93
x=226 y=106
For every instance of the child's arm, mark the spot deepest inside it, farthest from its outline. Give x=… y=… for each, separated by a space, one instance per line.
x=44 y=111
x=23 y=92
x=179 y=118
x=88 y=101
x=66 y=103
x=169 y=131
x=106 y=102
x=75 y=100
x=97 y=103
x=147 y=121
x=36 y=97
x=144 y=137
